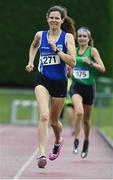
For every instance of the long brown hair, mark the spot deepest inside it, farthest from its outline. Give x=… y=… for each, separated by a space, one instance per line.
x=68 y=23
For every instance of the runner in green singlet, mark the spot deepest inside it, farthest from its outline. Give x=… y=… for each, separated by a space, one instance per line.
x=83 y=87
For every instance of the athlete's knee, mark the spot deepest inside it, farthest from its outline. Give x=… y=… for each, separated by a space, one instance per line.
x=79 y=113
x=44 y=116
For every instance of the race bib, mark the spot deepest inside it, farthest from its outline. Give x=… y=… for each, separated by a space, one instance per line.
x=50 y=60
x=81 y=74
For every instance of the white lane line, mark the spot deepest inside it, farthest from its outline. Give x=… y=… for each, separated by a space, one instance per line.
x=19 y=173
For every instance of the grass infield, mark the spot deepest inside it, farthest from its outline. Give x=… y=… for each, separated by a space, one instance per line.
x=101 y=117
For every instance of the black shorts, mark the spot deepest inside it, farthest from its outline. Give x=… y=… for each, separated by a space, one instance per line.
x=56 y=88
x=86 y=91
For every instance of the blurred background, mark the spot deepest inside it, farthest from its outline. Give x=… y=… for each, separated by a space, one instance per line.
x=20 y=20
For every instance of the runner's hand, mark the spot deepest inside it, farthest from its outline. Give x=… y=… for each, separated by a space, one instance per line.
x=29 y=68
x=86 y=60
x=52 y=44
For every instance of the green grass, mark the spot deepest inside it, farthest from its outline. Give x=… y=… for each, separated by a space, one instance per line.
x=24 y=113
x=108 y=130
x=6 y=99
x=101 y=116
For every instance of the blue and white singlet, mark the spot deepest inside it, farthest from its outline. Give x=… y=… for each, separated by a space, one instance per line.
x=50 y=64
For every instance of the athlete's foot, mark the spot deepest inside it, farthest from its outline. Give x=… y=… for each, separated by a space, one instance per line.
x=55 y=151
x=84 y=152
x=75 y=146
x=42 y=161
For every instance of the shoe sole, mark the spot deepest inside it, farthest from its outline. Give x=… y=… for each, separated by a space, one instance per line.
x=84 y=155
x=75 y=152
x=42 y=162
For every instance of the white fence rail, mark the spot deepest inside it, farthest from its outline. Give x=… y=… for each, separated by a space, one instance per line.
x=16 y=104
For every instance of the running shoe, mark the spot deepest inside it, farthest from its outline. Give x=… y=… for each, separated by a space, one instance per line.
x=56 y=151
x=42 y=161
x=75 y=147
x=84 y=152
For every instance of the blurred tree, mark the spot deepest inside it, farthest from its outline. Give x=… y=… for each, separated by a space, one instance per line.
x=20 y=20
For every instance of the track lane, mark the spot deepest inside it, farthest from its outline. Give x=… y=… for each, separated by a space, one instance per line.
x=18 y=150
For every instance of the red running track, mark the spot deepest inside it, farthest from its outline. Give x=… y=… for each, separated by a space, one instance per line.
x=18 y=152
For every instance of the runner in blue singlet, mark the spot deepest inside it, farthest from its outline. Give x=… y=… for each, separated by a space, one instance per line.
x=57 y=50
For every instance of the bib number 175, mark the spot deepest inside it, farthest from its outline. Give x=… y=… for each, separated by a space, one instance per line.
x=81 y=74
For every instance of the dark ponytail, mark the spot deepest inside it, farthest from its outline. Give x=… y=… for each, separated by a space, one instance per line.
x=69 y=26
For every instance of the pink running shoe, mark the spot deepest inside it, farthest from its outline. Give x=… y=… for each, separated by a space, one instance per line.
x=56 y=151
